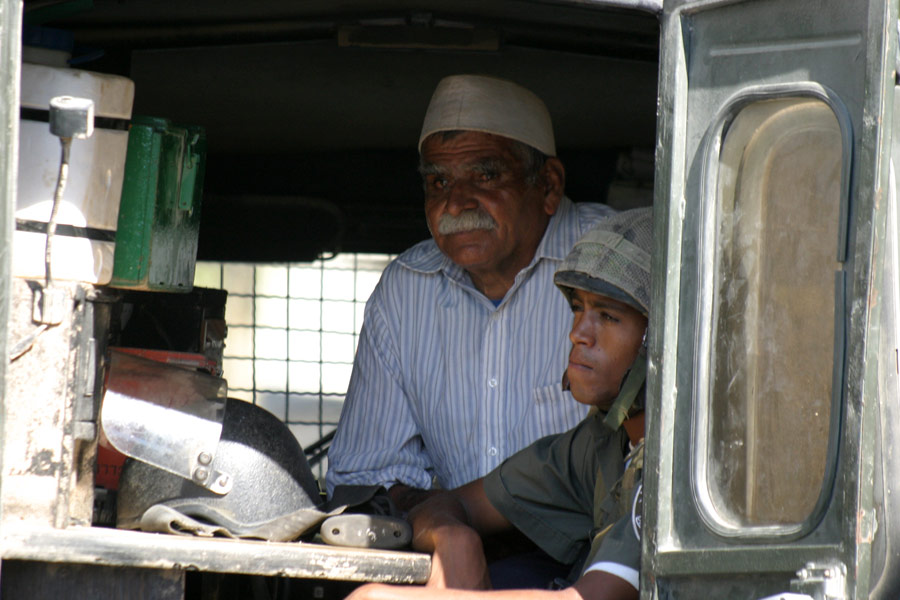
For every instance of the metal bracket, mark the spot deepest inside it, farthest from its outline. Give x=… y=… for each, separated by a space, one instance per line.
x=205 y=475
x=822 y=581
x=49 y=306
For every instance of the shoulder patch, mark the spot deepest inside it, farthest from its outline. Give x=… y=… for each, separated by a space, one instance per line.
x=636 y=509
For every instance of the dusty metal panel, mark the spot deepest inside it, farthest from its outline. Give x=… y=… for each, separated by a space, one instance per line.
x=710 y=52
x=114 y=547
x=48 y=454
x=10 y=51
x=885 y=577
x=49 y=581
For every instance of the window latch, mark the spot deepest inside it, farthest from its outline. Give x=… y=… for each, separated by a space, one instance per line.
x=817 y=581
x=822 y=581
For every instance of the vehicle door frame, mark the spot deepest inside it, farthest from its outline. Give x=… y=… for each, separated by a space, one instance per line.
x=670 y=375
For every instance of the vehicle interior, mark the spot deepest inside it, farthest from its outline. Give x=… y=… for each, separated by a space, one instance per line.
x=312 y=109
x=312 y=112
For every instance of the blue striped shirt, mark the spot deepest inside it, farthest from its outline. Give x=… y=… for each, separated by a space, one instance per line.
x=446 y=385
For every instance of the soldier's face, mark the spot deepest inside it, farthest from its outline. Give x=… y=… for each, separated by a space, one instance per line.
x=606 y=337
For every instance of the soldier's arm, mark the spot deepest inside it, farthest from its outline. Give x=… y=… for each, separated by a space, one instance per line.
x=593 y=586
x=449 y=525
x=406 y=498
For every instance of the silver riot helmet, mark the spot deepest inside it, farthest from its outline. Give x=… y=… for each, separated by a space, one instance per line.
x=273 y=496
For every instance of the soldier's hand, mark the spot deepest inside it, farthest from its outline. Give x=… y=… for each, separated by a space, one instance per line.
x=377 y=591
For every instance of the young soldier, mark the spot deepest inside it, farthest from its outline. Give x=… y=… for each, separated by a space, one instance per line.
x=572 y=492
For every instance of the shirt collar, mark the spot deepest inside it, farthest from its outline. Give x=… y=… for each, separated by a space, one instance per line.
x=563 y=231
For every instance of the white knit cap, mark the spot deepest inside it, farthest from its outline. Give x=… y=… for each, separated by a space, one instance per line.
x=490 y=105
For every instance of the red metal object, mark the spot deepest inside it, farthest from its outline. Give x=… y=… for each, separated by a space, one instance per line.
x=188 y=360
x=109 y=467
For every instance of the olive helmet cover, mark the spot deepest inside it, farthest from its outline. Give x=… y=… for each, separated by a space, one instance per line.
x=613 y=259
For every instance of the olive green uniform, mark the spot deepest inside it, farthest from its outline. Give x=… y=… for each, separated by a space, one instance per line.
x=564 y=490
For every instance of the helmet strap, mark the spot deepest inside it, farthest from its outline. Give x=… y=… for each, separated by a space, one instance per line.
x=631 y=387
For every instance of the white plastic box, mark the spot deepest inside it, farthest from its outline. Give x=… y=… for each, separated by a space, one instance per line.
x=84 y=245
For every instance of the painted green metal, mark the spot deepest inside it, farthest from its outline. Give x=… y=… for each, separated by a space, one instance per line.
x=159 y=215
x=712 y=50
x=885 y=370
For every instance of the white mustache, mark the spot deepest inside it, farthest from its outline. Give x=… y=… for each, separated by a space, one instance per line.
x=470 y=220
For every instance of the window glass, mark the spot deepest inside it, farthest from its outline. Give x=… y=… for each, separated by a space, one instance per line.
x=770 y=315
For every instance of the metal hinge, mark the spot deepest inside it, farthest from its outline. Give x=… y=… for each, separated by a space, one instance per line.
x=817 y=581
x=822 y=581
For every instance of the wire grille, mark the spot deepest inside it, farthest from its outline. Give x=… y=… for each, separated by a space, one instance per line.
x=292 y=335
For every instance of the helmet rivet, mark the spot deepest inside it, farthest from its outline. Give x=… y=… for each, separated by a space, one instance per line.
x=205 y=458
x=200 y=474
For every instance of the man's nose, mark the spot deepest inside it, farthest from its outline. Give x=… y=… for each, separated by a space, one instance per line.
x=461 y=197
x=581 y=332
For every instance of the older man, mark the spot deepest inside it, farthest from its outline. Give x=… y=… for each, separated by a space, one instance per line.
x=464 y=337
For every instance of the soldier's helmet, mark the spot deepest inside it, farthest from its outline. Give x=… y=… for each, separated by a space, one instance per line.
x=613 y=259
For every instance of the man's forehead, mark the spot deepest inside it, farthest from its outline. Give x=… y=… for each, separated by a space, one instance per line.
x=468 y=148
x=473 y=161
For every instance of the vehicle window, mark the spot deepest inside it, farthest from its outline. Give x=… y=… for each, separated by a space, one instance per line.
x=770 y=312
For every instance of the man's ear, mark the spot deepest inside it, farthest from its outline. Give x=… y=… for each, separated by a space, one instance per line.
x=553 y=180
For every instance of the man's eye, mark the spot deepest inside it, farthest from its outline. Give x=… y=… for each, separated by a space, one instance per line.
x=489 y=175
x=609 y=317
x=576 y=307
x=437 y=183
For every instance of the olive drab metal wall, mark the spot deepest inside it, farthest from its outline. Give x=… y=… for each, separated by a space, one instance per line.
x=767 y=372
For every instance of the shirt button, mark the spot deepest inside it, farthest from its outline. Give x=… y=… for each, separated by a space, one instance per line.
x=492 y=382
x=492 y=451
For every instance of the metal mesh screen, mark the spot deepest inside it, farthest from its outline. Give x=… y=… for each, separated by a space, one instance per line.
x=292 y=335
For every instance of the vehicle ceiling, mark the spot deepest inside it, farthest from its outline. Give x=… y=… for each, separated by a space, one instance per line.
x=312 y=109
